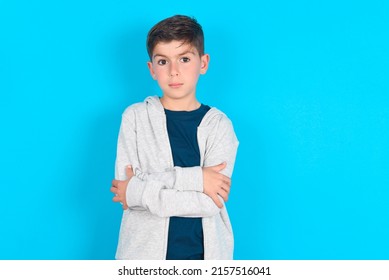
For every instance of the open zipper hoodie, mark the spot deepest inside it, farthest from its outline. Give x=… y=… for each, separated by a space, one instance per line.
x=159 y=190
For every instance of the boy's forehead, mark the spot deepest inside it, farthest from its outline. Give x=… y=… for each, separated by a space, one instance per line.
x=173 y=48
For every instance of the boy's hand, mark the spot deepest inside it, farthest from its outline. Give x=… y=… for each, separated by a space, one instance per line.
x=119 y=188
x=216 y=183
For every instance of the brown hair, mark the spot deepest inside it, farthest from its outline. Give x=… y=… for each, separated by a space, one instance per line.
x=178 y=27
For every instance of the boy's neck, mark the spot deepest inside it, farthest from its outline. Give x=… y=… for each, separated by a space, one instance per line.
x=179 y=104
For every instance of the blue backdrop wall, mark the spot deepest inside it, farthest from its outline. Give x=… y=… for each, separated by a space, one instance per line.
x=305 y=84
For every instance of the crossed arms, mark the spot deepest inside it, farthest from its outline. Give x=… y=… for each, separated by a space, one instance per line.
x=191 y=192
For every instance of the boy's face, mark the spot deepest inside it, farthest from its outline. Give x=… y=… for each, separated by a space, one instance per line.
x=177 y=68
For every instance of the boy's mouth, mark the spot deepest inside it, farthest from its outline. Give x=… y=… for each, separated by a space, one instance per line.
x=175 y=85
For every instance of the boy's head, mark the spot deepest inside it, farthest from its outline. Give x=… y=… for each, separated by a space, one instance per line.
x=176 y=49
x=176 y=28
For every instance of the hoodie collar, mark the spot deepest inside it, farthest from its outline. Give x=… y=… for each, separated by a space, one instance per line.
x=155 y=103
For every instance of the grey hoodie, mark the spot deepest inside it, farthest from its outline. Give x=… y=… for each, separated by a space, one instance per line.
x=160 y=190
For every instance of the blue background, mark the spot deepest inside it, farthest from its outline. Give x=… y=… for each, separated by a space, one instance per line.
x=304 y=82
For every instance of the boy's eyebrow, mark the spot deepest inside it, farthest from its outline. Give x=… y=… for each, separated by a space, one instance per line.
x=185 y=52
x=158 y=55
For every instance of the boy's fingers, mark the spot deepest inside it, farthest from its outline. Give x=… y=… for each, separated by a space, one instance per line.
x=220 y=167
x=226 y=179
x=216 y=199
x=129 y=171
x=226 y=188
x=223 y=194
x=113 y=189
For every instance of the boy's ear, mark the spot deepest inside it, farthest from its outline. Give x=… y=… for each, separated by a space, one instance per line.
x=152 y=73
x=204 y=63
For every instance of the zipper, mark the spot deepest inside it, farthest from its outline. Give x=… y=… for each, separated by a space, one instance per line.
x=171 y=164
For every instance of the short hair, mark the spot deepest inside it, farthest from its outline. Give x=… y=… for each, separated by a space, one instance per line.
x=178 y=27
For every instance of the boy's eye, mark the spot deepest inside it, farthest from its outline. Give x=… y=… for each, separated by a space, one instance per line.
x=162 y=62
x=185 y=59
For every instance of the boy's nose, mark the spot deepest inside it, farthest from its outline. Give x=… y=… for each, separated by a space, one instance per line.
x=173 y=70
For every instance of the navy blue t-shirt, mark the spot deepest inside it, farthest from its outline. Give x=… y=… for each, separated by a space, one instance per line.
x=185 y=239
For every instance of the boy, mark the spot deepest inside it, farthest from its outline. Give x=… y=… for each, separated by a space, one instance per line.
x=175 y=157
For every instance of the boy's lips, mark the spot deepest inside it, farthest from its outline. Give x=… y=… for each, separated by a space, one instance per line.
x=175 y=85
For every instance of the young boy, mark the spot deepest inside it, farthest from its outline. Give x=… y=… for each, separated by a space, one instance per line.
x=175 y=157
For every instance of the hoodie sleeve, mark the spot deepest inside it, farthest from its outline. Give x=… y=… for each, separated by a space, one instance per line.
x=177 y=192
x=222 y=144
x=179 y=178
x=152 y=196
